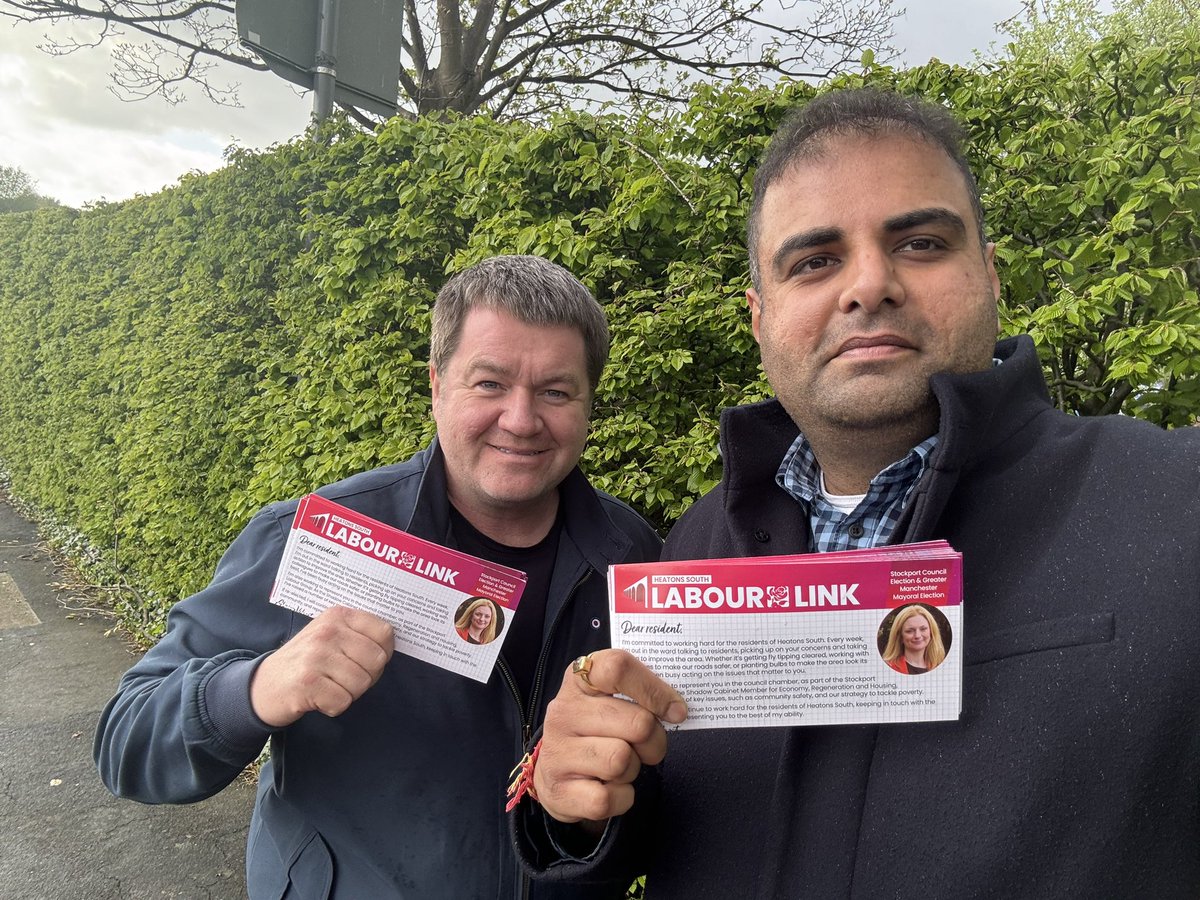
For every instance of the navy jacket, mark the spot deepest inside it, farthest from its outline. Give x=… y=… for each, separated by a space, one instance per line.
x=1074 y=771
x=403 y=794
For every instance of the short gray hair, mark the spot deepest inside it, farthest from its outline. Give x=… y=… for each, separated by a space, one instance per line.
x=530 y=289
x=855 y=111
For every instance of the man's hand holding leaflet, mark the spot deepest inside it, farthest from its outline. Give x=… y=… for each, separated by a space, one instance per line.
x=594 y=744
x=328 y=665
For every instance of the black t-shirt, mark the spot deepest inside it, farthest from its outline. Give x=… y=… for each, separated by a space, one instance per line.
x=523 y=644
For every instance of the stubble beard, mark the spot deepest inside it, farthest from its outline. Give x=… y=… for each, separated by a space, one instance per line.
x=892 y=406
x=856 y=407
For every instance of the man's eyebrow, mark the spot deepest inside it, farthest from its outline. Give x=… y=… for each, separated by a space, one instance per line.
x=485 y=366
x=933 y=215
x=804 y=240
x=568 y=378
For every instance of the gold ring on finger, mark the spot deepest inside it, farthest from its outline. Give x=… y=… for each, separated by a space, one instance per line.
x=582 y=667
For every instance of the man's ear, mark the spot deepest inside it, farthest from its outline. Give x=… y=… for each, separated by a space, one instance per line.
x=755 y=305
x=989 y=257
x=433 y=384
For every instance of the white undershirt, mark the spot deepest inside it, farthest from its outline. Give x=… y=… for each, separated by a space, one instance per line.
x=843 y=503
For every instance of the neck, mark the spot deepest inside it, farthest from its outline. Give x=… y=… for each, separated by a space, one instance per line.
x=850 y=458
x=915 y=659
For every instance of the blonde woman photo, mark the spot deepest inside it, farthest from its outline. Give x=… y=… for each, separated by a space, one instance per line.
x=478 y=622
x=914 y=644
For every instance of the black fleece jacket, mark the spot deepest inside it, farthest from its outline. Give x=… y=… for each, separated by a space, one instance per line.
x=1073 y=771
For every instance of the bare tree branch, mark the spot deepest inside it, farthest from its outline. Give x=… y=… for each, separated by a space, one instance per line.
x=497 y=56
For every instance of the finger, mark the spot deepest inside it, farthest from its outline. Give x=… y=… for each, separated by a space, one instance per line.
x=585 y=799
x=619 y=672
x=367 y=624
x=619 y=767
x=331 y=698
x=339 y=631
x=352 y=667
x=589 y=717
x=587 y=780
x=600 y=759
x=366 y=653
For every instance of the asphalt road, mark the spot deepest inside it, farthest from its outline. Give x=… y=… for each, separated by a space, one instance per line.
x=62 y=835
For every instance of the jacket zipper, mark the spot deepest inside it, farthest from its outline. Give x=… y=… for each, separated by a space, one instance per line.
x=523 y=885
x=506 y=674
x=540 y=672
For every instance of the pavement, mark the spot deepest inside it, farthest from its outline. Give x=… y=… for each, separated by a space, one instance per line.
x=63 y=836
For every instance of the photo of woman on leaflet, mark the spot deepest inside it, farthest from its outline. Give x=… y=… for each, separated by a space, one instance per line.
x=915 y=641
x=478 y=621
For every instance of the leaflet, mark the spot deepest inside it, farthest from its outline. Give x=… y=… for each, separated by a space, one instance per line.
x=815 y=639
x=448 y=608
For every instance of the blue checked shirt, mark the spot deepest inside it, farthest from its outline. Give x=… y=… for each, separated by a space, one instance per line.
x=874 y=519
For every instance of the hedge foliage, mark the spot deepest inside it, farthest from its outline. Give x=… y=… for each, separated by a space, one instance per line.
x=173 y=362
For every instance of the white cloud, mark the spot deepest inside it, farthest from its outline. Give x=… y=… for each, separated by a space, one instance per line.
x=63 y=126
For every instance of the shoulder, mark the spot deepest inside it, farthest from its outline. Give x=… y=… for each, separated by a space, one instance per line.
x=379 y=493
x=366 y=488
x=628 y=522
x=1126 y=450
x=755 y=437
x=1133 y=432
x=702 y=531
x=1178 y=443
x=1108 y=488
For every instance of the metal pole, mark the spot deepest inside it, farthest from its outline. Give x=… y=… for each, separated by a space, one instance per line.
x=325 y=68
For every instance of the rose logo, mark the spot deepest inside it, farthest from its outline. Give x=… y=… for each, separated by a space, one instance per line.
x=780 y=596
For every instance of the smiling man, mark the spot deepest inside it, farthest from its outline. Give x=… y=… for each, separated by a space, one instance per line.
x=1071 y=772
x=387 y=775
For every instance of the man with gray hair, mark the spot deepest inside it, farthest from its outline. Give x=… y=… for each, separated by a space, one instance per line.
x=387 y=775
x=1072 y=770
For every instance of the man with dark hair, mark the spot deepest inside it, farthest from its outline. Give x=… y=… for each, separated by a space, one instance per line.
x=1071 y=772
x=387 y=775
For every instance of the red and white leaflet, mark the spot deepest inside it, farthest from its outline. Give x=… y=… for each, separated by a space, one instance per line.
x=795 y=640
x=337 y=557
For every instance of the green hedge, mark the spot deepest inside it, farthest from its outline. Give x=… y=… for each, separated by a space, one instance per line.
x=170 y=363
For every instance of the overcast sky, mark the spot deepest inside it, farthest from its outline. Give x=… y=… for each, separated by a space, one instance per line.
x=60 y=124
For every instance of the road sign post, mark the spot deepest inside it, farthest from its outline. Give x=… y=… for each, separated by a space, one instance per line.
x=346 y=51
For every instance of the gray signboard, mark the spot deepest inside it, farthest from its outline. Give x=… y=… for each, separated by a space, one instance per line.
x=366 y=46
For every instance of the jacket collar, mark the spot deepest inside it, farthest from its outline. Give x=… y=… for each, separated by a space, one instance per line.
x=754 y=440
x=978 y=412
